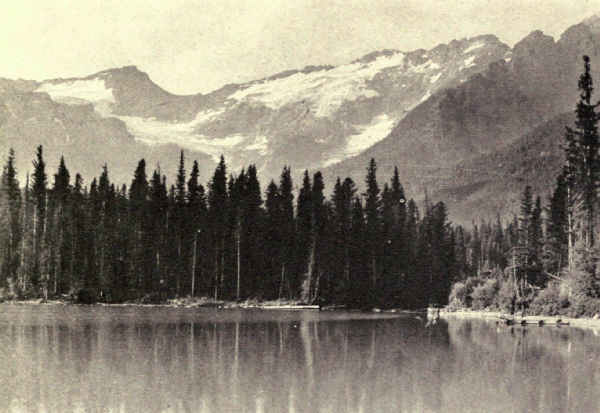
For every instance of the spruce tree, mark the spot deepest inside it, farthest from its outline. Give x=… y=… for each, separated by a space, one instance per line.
x=557 y=227
x=39 y=199
x=62 y=238
x=304 y=232
x=79 y=243
x=291 y=283
x=373 y=222
x=319 y=214
x=197 y=210
x=274 y=284
x=536 y=241
x=180 y=221
x=217 y=210
x=583 y=163
x=142 y=259
x=251 y=255
x=158 y=213
x=342 y=197
x=10 y=219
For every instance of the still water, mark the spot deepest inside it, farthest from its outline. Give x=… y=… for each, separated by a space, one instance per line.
x=158 y=359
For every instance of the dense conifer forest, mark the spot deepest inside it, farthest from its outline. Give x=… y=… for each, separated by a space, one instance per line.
x=230 y=241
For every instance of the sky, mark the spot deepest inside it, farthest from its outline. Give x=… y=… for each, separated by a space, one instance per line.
x=191 y=46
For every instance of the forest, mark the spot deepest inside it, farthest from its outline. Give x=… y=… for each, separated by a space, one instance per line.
x=153 y=241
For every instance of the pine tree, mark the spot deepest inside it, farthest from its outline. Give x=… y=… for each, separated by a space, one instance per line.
x=79 y=244
x=217 y=210
x=251 y=256
x=180 y=221
x=442 y=254
x=62 y=238
x=107 y=236
x=373 y=222
x=196 y=201
x=142 y=257
x=557 y=227
x=412 y=282
x=536 y=242
x=93 y=237
x=583 y=163
x=10 y=219
x=274 y=285
x=525 y=218
x=319 y=220
x=39 y=199
x=291 y=282
x=358 y=296
x=158 y=212
x=303 y=247
x=343 y=195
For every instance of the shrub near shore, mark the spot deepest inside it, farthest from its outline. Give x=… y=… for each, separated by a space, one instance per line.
x=493 y=295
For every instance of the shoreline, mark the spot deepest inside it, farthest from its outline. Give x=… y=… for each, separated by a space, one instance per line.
x=206 y=302
x=590 y=323
x=184 y=302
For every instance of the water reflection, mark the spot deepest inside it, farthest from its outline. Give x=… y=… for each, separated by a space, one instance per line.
x=167 y=360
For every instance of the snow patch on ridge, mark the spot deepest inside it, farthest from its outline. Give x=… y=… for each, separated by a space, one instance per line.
x=259 y=144
x=427 y=66
x=325 y=91
x=153 y=132
x=370 y=134
x=78 y=92
x=469 y=62
x=435 y=78
x=331 y=161
x=474 y=46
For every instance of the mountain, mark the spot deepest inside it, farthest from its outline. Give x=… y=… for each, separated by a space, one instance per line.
x=470 y=122
x=308 y=118
x=521 y=101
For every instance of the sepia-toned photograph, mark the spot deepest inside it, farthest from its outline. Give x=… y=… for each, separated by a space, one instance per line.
x=286 y=206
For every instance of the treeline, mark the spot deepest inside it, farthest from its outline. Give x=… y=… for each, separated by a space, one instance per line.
x=546 y=260
x=151 y=241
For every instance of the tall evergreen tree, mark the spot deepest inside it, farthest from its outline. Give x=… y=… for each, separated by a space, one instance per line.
x=217 y=210
x=557 y=227
x=273 y=285
x=291 y=282
x=180 y=221
x=304 y=232
x=373 y=221
x=10 y=219
x=39 y=200
x=583 y=163
x=251 y=255
x=142 y=257
x=61 y=237
x=197 y=210
x=358 y=295
x=158 y=212
x=79 y=243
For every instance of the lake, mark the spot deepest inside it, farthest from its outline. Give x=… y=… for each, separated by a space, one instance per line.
x=56 y=358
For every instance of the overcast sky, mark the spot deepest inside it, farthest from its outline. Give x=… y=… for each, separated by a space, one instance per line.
x=190 y=46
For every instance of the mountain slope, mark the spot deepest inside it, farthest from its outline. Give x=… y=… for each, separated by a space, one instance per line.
x=307 y=118
x=493 y=183
x=484 y=117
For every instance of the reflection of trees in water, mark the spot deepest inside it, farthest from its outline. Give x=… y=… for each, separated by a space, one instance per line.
x=529 y=368
x=296 y=364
